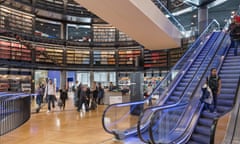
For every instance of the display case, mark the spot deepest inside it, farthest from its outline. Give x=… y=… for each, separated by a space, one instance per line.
x=78 y=56
x=104 y=57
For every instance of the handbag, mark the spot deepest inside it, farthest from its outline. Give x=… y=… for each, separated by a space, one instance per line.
x=207 y=96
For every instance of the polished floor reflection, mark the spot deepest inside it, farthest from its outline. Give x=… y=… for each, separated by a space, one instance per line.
x=71 y=127
x=61 y=127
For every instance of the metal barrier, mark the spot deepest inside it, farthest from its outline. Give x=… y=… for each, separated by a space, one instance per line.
x=15 y=109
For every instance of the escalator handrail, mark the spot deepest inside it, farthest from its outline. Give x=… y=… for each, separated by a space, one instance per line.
x=198 y=111
x=181 y=76
x=181 y=97
x=156 y=111
x=165 y=79
x=214 y=21
x=154 y=108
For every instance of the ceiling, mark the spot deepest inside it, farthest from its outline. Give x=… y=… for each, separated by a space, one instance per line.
x=139 y=19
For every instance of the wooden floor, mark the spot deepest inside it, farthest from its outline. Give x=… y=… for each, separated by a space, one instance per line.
x=63 y=127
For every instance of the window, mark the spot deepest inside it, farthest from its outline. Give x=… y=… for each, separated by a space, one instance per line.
x=84 y=78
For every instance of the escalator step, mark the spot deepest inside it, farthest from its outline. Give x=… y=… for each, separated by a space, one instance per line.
x=207 y=114
x=203 y=130
x=183 y=84
x=229 y=85
x=223 y=108
x=192 y=142
x=205 y=121
x=226 y=96
x=200 y=139
x=228 y=91
x=229 y=71
x=223 y=102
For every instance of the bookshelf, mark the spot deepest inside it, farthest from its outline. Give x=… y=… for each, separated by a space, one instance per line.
x=78 y=56
x=45 y=54
x=4 y=85
x=104 y=57
x=14 y=20
x=14 y=51
x=155 y=59
x=128 y=57
x=104 y=33
x=5 y=48
x=124 y=37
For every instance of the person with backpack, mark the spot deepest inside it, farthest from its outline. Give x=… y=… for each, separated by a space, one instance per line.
x=234 y=29
x=214 y=82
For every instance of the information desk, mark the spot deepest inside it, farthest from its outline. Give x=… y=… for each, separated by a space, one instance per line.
x=115 y=97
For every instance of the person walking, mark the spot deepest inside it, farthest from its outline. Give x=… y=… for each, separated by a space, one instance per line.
x=39 y=98
x=50 y=94
x=214 y=82
x=63 y=97
x=83 y=99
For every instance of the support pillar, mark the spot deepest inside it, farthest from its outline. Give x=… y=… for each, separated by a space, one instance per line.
x=63 y=79
x=136 y=89
x=202 y=18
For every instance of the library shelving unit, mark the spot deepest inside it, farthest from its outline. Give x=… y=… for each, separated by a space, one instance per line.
x=4 y=85
x=55 y=6
x=104 y=33
x=78 y=56
x=5 y=48
x=14 y=20
x=49 y=54
x=124 y=37
x=14 y=51
x=175 y=55
x=155 y=59
x=104 y=57
x=128 y=56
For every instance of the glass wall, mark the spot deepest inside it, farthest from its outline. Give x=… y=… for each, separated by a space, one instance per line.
x=105 y=78
x=84 y=78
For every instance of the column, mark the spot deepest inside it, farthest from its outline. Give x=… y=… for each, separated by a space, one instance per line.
x=202 y=18
x=63 y=79
x=91 y=79
x=136 y=92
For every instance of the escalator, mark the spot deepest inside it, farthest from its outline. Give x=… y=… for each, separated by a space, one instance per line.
x=169 y=117
x=200 y=62
x=229 y=73
x=117 y=118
